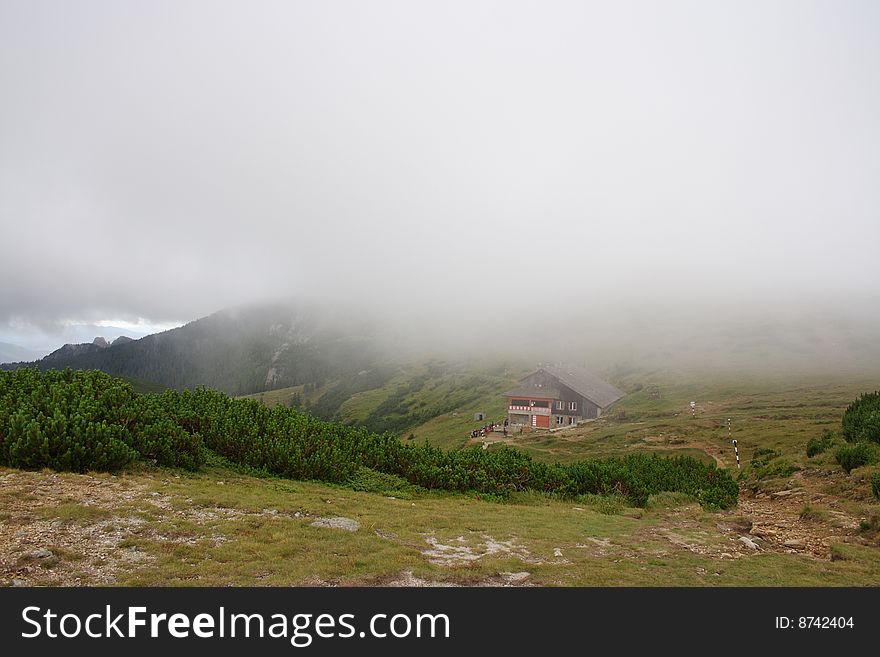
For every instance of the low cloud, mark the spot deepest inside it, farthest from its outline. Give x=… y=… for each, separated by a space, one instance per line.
x=460 y=163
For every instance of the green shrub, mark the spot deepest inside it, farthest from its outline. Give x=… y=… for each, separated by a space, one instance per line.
x=851 y=457
x=811 y=514
x=870 y=524
x=762 y=456
x=370 y=481
x=609 y=505
x=668 y=500
x=88 y=420
x=861 y=420
x=875 y=485
x=778 y=469
x=83 y=421
x=838 y=553
x=814 y=447
x=818 y=445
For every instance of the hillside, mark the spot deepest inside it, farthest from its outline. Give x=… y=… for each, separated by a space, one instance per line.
x=237 y=351
x=410 y=397
x=806 y=521
x=339 y=366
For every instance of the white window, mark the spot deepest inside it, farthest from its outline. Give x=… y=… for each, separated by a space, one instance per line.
x=558 y=420
x=572 y=420
x=560 y=405
x=572 y=406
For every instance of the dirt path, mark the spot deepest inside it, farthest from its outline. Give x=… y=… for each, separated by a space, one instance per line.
x=711 y=450
x=779 y=523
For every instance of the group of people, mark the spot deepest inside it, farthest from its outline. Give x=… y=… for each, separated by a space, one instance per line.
x=485 y=430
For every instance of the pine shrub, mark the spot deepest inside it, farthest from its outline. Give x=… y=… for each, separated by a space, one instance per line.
x=89 y=421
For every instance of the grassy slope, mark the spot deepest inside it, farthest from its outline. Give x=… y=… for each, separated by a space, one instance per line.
x=221 y=527
x=145 y=387
x=435 y=401
x=781 y=414
x=285 y=396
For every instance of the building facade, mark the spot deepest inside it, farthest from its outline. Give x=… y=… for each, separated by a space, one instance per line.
x=554 y=397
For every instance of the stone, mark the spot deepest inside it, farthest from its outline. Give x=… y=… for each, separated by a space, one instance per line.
x=749 y=543
x=42 y=553
x=347 y=524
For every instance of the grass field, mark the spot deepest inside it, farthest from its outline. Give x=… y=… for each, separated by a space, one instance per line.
x=771 y=413
x=808 y=522
x=435 y=401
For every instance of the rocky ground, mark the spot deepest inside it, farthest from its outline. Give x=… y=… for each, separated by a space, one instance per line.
x=63 y=529
x=71 y=530
x=801 y=517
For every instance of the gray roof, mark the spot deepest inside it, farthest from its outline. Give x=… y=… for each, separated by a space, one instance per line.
x=585 y=383
x=531 y=392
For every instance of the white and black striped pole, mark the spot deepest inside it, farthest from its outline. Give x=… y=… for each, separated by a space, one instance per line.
x=733 y=440
x=693 y=409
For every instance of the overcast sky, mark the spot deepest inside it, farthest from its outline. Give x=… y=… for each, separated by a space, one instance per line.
x=162 y=160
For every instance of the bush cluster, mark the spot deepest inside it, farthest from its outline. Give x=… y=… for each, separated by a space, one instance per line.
x=818 y=445
x=83 y=421
x=861 y=420
x=90 y=421
x=854 y=456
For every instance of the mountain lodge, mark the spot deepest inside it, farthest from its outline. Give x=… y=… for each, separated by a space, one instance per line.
x=559 y=396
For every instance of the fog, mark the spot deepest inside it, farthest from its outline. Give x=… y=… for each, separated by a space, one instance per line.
x=605 y=173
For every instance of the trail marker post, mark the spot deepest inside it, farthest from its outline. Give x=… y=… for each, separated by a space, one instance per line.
x=733 y=440
x=694 y=409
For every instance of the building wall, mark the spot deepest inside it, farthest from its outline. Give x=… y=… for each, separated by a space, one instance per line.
x=590 y=410
x=585 y=408
x=562 y=421
x=519 y=418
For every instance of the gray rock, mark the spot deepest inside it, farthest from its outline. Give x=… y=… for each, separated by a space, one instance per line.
x=42 y=553
x=347 y=524
x=749 y=543
x=19 y=582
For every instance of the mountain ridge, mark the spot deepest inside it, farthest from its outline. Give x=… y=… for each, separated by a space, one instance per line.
x=237 y=351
